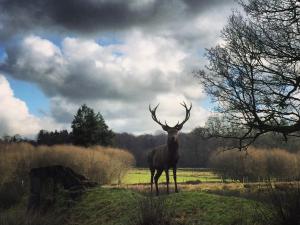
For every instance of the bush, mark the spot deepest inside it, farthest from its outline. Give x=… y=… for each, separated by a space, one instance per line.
x=256 y=164
x=100 y=164
x=103 y=165
x=228 y=164
x=283 y=203
x=286 y=206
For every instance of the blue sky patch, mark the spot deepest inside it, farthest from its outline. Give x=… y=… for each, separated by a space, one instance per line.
x=36 y=101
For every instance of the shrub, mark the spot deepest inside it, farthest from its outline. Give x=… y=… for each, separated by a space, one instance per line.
x=256 y=164
x=284 y=205
x=100 y=164
x=228 y=164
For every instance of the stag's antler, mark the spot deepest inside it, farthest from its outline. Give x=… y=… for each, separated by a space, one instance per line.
x=165 y=126
x=187 y=115
x=153 y=114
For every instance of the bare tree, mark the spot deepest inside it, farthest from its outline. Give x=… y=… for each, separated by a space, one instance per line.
x=253 y=76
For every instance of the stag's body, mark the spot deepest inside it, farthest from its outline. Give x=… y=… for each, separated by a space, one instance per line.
x=162 y=157
x=165 y=157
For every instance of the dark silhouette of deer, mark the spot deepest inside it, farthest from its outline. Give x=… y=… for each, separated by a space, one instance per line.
x=164 y=157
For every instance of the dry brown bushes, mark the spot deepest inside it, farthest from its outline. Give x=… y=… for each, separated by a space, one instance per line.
x=100 y=164
x=257 y=164
x=103 y=165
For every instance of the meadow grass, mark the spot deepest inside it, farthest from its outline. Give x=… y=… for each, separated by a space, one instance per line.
x=116 y=206
x=142 y=176
x=101 y=164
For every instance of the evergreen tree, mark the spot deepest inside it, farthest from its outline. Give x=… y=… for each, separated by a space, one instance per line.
x=89 y=128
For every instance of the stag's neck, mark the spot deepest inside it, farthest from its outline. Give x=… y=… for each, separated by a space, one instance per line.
x=172 y=146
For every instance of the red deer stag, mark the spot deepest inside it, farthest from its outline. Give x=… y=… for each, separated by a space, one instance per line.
x=164 y=157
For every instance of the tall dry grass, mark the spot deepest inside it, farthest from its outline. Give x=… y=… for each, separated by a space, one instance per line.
x=256 y=164
x=100 y=164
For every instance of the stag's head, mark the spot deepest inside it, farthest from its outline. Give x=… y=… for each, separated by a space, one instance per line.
x=172 y=131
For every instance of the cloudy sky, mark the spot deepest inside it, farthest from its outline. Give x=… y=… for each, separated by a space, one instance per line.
x=116 y=56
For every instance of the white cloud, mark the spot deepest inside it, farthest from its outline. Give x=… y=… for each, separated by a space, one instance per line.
x=159 y=44
x=146 y=53
x=119 y=80
x=15 y=117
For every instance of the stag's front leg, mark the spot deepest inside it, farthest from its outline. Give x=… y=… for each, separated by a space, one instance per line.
x=175 y=178
x=156 y=177
x=167 y=179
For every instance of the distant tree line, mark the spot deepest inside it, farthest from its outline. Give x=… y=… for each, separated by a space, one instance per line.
x=89 y=128
x=7 y=139
x=195 y=150
x=49 y=138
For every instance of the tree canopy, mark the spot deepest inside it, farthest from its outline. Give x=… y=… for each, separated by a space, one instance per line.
x=89 y=128
x=253 y=76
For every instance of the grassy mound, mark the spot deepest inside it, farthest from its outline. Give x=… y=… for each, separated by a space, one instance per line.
x=120 y=206
x=105 y=206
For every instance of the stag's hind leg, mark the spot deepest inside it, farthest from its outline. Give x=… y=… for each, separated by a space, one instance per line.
x=156 y=177
x=151 y=180
x=167 y=179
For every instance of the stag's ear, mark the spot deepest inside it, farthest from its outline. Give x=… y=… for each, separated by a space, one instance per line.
x=178 y=127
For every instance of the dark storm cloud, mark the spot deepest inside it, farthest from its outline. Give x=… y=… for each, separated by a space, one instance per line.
x=197 y=6
x=90 y=16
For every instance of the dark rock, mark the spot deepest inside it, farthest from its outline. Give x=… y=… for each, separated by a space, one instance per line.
x=71 y=181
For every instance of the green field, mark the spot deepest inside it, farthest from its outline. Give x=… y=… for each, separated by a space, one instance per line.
x=142 y=176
